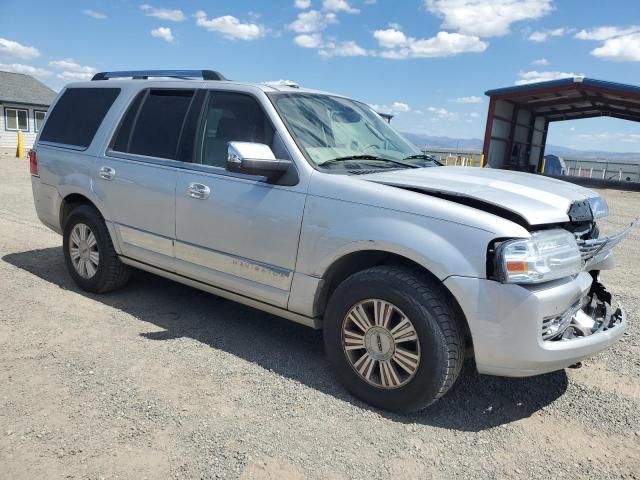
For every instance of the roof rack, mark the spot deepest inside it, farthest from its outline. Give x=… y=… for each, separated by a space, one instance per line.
x=145 y=74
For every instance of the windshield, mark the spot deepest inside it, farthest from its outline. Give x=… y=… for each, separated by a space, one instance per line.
x=333 y=128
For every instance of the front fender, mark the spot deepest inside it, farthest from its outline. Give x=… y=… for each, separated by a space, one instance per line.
x=332 y=229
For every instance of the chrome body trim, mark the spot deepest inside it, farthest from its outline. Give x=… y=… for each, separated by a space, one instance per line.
x=280 y=312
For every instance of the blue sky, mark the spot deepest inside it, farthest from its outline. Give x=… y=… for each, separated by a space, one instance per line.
x=428 y=61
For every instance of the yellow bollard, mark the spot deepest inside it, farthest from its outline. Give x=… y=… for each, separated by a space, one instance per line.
x=20 y=147
x=481 y=160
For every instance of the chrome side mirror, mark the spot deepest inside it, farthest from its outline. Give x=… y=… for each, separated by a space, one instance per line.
x=255 y=159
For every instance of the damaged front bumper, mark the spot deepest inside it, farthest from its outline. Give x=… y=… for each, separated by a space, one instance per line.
x=511 y=324
x=590 y=315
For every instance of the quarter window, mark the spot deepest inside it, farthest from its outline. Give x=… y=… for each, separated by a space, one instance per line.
x=16 y=119
x=75 y=118
x=38 y=118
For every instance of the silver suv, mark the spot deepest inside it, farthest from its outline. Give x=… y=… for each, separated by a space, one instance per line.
x=310 y=206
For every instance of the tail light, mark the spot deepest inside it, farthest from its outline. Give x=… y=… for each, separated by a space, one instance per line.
x=33 y=163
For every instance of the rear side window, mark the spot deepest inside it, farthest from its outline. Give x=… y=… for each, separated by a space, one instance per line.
x=77 y=115
x=153 y=124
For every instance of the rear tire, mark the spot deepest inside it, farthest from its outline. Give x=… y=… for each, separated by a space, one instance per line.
x=89 y=254
x=410 y=328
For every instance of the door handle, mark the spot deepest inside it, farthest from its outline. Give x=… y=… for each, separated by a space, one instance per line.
x=107 y=173
x=198 y=190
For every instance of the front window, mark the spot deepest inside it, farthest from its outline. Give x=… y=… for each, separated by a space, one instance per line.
x=16 y=119
x=329 y=129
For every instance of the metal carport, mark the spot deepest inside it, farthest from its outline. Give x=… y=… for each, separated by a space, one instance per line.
x=519 y=116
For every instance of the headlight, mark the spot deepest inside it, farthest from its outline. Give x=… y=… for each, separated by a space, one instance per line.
x=599 y=207
x=547 y=255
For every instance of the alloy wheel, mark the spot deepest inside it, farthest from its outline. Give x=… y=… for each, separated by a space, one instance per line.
x=381 y=343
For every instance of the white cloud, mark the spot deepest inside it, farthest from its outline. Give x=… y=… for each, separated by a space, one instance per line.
x=444 y=44
x=173 y=15
x=93 y=14
x=230 y=27
x=313 y=40
x=391 y=37
x=302 y=4
x=342 y=49
x=606 y=32
x=395 y=107
x=474 y=114
x=9 y=48
x=442 y=113
x=535 y=76
x=471 y=99
x=330 y=48
x=71 y=70
x=74 y=76
x=540 y=62
x=164 y=33
x=544 y=35
x=26 y=69
x=312 y=21
x=487 y=18
x=339 y=6
x=620 y=49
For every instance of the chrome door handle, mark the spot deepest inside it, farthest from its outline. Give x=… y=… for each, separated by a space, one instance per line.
x=198 y=190
x=107 y=173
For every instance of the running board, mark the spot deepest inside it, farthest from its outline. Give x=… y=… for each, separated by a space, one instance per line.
x=280 y=312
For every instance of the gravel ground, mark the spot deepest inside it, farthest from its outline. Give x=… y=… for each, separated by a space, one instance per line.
x=163 y=381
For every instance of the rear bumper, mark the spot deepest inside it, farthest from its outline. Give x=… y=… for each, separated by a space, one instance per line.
x=506 y=323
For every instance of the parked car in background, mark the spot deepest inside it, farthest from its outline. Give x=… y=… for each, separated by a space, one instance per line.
x=310 y=206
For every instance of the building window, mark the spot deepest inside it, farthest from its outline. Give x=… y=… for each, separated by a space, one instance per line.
x=16 y=119
x=38 y=118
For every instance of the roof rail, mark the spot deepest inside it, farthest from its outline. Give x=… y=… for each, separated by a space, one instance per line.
x=145 y=74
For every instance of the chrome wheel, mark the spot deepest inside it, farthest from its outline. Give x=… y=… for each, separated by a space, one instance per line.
x=83 y=250
x=381 y=343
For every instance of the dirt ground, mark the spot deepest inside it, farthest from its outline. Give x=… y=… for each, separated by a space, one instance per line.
x=163 y=381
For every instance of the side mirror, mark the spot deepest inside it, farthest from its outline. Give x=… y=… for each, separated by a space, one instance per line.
x=255 y=159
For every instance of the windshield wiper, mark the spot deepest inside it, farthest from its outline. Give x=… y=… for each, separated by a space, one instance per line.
x=423 y=156
x=365 y=157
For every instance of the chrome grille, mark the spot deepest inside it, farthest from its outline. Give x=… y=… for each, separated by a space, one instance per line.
x=593 y=250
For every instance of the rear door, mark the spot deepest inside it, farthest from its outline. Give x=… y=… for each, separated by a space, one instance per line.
x=237 y=231
x=136 y=176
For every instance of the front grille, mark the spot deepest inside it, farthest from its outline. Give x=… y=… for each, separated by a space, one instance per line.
x=594 y=249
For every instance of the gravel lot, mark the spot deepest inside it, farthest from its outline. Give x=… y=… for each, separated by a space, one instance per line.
x=163 y=381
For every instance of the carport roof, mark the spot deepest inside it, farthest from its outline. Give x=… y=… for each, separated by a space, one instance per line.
x=574 y=98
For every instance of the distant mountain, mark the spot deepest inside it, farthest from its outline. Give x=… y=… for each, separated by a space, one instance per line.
x=421 y=140
x=430 y=141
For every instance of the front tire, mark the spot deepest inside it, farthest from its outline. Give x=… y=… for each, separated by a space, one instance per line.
x=395 y=338
x=89 y=254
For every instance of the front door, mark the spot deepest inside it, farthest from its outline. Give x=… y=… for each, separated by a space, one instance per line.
x=234 y=231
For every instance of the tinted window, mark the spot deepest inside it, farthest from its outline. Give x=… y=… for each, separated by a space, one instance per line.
x=159 y=124
x=123 y=135
x=232 y=117
x=77 y=115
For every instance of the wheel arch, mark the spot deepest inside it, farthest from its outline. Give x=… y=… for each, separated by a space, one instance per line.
x=72 y=200
x=356 y=261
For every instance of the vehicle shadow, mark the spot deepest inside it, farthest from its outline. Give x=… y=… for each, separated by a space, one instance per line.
x=476 y=402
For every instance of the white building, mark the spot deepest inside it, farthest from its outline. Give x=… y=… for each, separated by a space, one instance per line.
x=23 y=104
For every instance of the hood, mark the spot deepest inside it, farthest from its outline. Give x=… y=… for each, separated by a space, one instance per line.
x=534 y=198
